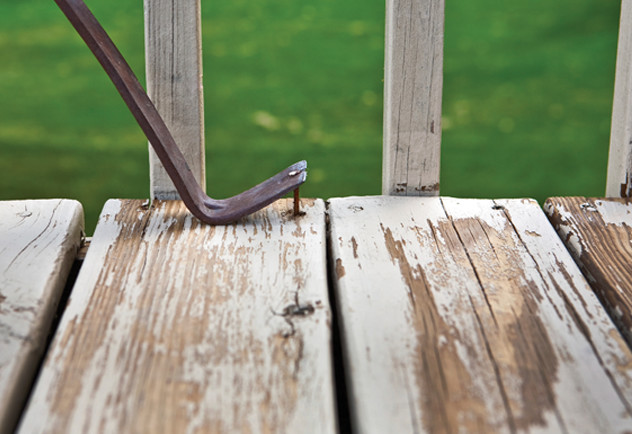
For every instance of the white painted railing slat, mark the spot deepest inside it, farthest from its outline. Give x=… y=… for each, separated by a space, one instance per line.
x=413 y=84
x=174 y=83
x=619 y=180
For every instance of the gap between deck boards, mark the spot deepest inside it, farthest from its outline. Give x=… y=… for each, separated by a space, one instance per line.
x=59 y=312
x=340 y=374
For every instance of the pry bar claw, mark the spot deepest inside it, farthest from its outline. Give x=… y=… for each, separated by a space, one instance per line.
x=208 y=210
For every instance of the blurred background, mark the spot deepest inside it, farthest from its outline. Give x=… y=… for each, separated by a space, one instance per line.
x=526 y=108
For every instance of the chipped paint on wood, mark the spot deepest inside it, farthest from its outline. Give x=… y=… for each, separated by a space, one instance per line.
x=470 y=315
x=38 y=243
x=598 y=233
x=184 y=327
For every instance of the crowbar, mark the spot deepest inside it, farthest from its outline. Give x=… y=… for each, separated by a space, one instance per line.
x=205 y=208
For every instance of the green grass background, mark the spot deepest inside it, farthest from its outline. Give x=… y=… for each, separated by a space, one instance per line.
x=526 y=106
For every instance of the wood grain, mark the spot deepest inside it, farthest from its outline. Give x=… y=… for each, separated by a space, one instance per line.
x=173 y=51
x=598 y=233
x=471 y=316
x=413 y=84
x=619 y=181
x=176 y=326
x=38 y=243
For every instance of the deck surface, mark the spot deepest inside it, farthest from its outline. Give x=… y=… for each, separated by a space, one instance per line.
x=38 y=243
x=471 y=316
x=598 y=233
x=454 y=316
x=177 y=326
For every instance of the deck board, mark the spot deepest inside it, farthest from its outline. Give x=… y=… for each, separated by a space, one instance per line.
x=470 y=315
x=38 y=243
x=177 y=326
x=598 y=233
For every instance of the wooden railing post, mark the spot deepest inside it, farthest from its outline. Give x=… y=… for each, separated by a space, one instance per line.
x=413 y=84
x=174 y=83
x=619 y=181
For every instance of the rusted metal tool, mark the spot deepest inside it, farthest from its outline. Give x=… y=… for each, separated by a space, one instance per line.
x=213 y=211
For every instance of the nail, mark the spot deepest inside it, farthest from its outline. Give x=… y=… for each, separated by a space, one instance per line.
x=297 y=202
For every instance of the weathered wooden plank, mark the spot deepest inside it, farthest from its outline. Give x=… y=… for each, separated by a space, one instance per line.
x=471 y=316
x=38 y=243
x=173 y=51
x=619 y=181
x=598 y=233
x=177 y=326
x=413 y=84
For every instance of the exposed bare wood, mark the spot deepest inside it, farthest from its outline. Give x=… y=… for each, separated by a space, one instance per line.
x=38 y=243
x=598 y=233
x=619 y=182
x=176 y=326
x=471 y=316
x=174 y=83
x=412 y=97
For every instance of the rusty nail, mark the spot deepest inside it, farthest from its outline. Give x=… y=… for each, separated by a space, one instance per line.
x=297 y=202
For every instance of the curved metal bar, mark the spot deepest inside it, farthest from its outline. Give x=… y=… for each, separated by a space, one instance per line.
x=205 y=208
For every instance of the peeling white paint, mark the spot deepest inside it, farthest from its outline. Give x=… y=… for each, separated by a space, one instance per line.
x=39 y=240
x=615 y=213
x=459 y=292
x=192 y=331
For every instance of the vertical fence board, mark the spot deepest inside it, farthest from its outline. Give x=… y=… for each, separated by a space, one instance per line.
x=412 y=97
x=174 y=83
x=619 y=183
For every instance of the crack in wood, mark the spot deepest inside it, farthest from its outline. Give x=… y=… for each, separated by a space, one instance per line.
x=499 y=381
x=474 y=269
x=33 y=240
